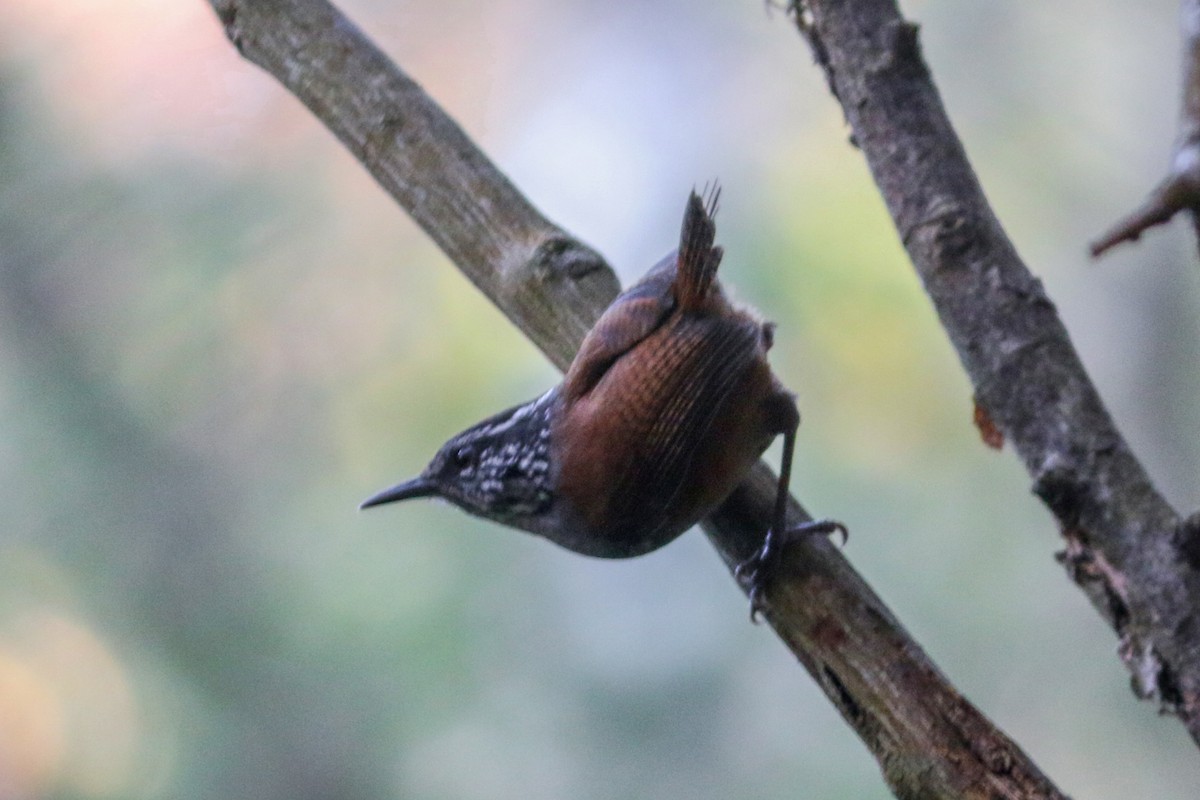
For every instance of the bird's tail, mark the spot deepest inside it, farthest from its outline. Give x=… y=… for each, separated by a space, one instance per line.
x=696 y=271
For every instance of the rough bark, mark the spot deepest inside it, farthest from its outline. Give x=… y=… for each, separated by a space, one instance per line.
x=1180 y=189
x=929 y=741
x=1126 y=547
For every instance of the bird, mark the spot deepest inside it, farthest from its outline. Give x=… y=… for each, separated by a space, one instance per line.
x=666 y=406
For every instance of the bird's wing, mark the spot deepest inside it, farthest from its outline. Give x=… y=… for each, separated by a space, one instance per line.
x=684 y=279
x=708 y=365
x=633 y=316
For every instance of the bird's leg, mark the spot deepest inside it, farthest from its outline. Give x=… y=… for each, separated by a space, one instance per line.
x=756 y=571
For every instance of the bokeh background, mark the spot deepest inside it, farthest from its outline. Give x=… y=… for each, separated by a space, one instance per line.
x=217 y=335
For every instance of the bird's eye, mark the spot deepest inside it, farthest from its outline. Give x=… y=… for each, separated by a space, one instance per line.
x=464 y=455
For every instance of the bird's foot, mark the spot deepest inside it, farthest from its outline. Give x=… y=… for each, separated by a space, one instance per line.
x=755 y=572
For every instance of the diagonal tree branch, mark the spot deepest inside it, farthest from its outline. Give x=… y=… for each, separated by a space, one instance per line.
x=929 y=741
x=1125 y=544
x=545 y=281
x=1180 y=189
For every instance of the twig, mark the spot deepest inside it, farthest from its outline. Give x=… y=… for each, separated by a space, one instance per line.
x=1123 y=540
x=930 y=742
x=1180 y=190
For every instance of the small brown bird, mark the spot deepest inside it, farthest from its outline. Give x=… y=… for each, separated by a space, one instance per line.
x=665 y=408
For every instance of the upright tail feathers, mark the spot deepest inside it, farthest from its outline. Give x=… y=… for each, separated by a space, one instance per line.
x=696 y=271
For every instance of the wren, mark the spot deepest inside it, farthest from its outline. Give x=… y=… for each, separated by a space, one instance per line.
x=667 y=405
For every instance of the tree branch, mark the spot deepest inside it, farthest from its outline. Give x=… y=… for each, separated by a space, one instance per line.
x=930 y=742
x=1124 y=542
x=1180 y=190
x=545 y=281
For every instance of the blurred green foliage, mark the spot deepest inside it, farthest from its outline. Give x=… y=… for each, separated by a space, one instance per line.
x=216 y=335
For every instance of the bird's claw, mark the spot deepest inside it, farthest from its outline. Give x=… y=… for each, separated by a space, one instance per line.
x=748 y=573
x=755 y=572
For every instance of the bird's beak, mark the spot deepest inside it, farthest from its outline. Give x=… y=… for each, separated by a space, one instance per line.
x=417 y=487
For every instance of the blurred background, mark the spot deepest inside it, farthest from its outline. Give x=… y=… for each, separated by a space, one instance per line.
x=217 y=335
